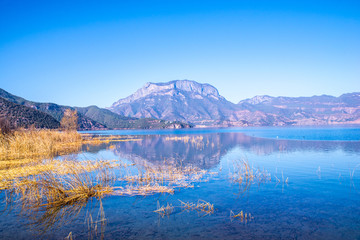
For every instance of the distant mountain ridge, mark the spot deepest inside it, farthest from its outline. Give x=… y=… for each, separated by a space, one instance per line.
x=202 y=105
x=20 y=116
x=54 y=110
x=315 y=110
x=92 y=117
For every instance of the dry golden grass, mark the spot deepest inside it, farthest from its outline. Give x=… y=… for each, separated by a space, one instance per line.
x=38 y=143
x=39 y=184
x=48 y=143
x=22 y=152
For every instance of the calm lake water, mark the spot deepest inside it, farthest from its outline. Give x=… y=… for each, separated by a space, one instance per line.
x=313 y=193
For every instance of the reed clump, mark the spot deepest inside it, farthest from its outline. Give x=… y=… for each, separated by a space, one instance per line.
x=22 y=152
x=55 y=189
x=164 y=210
x=200 y=206
x=56 y=193
x=245 y=175
x=242 y=216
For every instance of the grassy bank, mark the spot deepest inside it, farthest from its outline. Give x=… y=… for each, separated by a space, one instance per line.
x=26 y=153
x=38 y=143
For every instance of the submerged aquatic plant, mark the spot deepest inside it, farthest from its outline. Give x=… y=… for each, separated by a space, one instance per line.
x=242 y=216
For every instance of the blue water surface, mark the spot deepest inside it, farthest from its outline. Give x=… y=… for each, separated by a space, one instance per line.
x=290 y=133
x=313 y=191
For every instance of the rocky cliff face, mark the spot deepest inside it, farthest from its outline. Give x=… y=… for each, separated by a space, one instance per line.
x=172 y=88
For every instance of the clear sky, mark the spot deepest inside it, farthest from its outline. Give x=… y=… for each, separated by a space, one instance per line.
x=96 y=52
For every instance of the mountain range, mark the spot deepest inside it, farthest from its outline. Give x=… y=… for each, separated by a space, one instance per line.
x=186 y=103
x=23 y=113
x=202 y=105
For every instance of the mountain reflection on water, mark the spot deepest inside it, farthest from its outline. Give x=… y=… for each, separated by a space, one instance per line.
x=206 y=150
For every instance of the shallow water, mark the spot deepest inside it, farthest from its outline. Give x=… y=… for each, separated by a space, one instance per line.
x=314 y=191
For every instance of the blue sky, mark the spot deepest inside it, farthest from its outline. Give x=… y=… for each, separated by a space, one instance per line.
x=96 y=52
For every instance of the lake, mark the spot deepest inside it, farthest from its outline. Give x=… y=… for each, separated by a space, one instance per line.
x=263 y=183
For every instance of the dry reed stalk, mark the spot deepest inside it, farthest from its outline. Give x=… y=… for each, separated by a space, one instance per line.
x=244 y=217
x=201 y=206
x=164 y=210
x=245 y=175
x=93 y=225
x=50 y=189
x=151 y=179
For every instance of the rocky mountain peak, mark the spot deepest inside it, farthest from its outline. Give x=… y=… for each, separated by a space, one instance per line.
x=173 y=87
